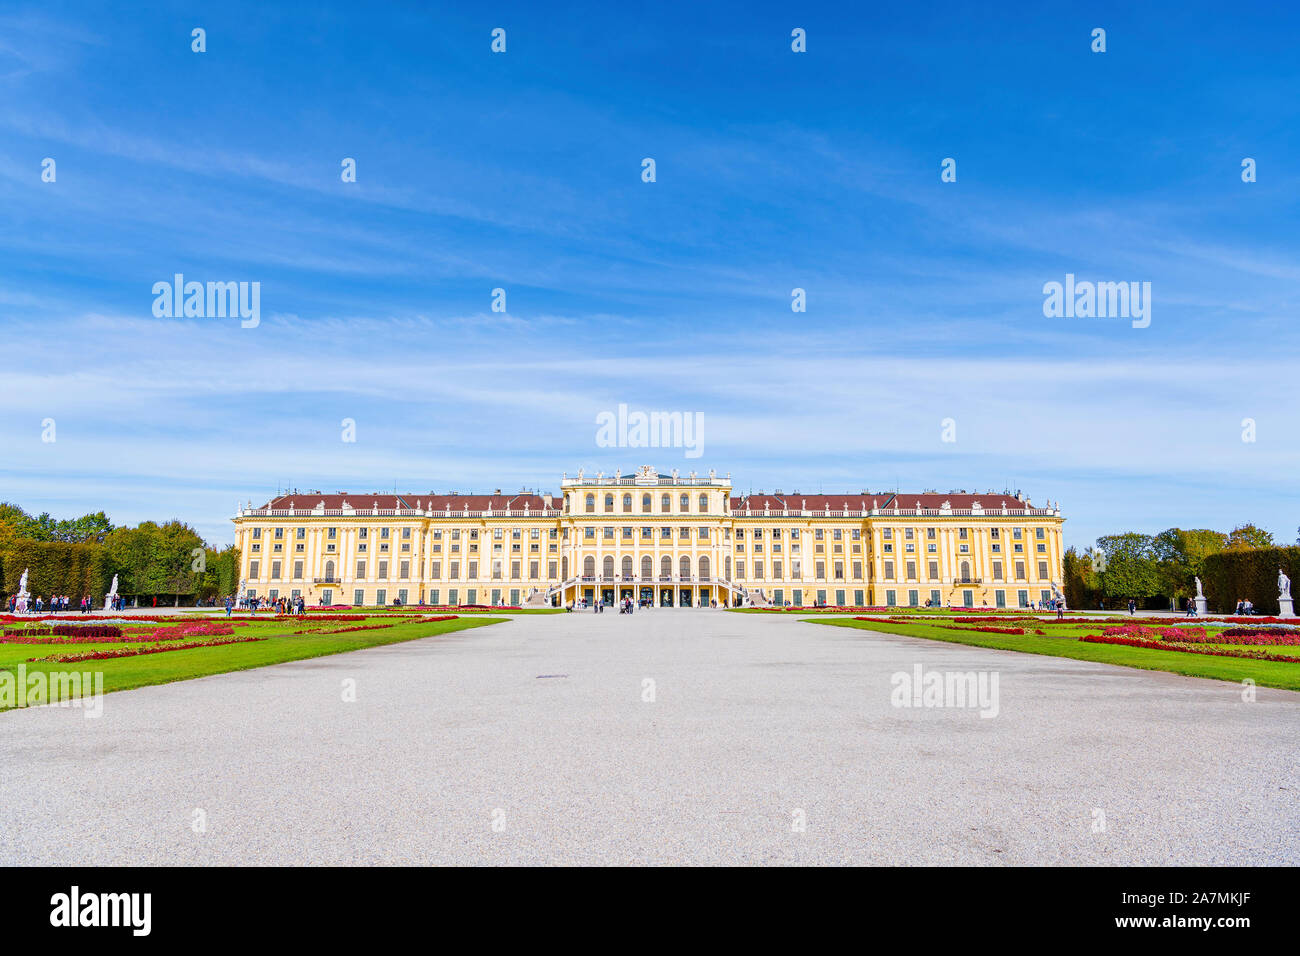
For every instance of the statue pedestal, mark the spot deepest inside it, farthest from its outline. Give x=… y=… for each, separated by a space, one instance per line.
x=1287 y=608
x=1202 y=607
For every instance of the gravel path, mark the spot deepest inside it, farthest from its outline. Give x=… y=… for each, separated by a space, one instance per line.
x=530 y=742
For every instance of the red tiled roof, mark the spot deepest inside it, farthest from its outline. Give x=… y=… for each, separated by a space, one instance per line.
x=306 y=502
x=885 y=500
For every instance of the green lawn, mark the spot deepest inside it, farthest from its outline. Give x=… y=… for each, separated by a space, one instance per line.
x=281 y=645
x=1264 y=673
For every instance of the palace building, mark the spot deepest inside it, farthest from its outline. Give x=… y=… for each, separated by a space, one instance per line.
x=670 y=539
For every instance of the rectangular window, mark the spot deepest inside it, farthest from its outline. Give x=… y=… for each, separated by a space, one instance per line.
x=857 y=598
x=358 y=597
x=891 y=598
x=889 y=570
x=383 y=570
x=997 y=570
x=1000 y=598
x=433 y=596
x=275 y=570
x=435 y=569
x=935 y=599
x=401 y=595
x=934 y=570
x=839 y=598
x=1022 y=597
x=252 y=569
x=913 y=598
x=1042 y=570
x=404 y=571
x=297 y=570
x=381 y=597
x=1020 y=572
x=453 y=597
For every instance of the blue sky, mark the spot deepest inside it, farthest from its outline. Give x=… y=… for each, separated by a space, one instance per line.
x=775 y=170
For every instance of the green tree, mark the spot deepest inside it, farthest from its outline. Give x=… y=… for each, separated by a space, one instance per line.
x=1180 y=555
x=1132 y=570
x=1247 y=537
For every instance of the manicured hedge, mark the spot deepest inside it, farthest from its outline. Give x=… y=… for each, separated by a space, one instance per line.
x=55 y=567
x=1230 y=576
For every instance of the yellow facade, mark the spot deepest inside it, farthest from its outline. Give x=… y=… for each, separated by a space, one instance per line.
x=669 y=539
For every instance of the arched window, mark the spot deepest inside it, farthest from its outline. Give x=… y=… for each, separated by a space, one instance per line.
x=686 y=503
x=704 y=568
x=627 y=569
x=591 y=504
x=609 y=503
x=686 y=567
x=704 y=504
x=645 y=502
x=666 y=503
x=589 y=567
x=627 y=504
x=666 y=568
x=329 y=570
x=965 y=572
x=647 y=567
x=607 y=568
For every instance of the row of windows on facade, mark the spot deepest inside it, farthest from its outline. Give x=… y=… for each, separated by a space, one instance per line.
x=837 y=534
x=665 y=504
x=684 y=565
x=797 y=595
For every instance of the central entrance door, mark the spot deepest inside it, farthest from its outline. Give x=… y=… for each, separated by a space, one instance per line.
x=648 y=595
x=624 y=594
x=666 y=597
x=607 y=596
x=684 y=597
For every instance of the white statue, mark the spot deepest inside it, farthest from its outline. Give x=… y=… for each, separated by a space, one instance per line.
x=23 y=595
x=1199 y=592
x=112 y=593
x=1283 y=585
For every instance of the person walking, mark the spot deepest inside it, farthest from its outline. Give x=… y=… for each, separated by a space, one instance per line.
x=1132 y=607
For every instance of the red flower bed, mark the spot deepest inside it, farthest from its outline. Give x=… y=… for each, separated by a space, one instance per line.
x=194 y=629
x=986 y=630
x=70 y=640
x=86 y=630
x=136 y=651
x=1237 y=635
x=344 y=630
x=1185 y=648
x=375 y=627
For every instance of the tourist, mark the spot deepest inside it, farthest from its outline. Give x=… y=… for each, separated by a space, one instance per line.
x=1132 y=607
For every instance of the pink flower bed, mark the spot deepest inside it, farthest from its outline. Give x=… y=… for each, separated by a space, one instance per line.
x=136 y=651
x=1185 y=648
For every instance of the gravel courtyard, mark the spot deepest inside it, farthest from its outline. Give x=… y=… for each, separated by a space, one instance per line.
x=533 y=742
